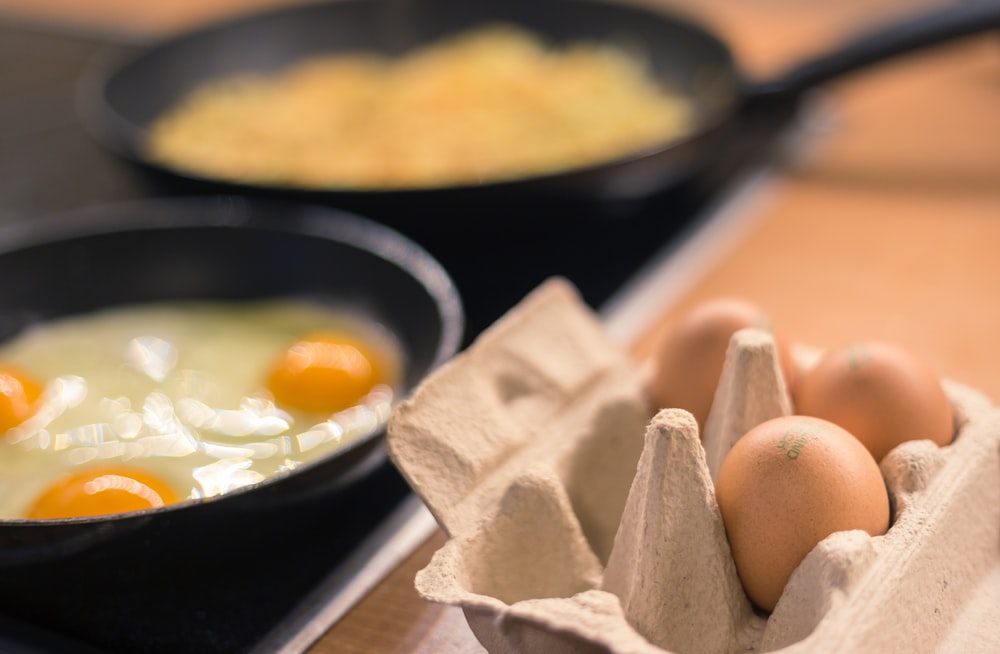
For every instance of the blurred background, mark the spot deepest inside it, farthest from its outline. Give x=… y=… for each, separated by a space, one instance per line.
x=914 y=140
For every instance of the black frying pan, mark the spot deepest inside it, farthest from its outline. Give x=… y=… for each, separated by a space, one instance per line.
x=222 y=248
x=121 y=100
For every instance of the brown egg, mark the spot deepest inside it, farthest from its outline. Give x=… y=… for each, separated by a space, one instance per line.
x=878 y=392
x=688 y=362
x=786 y=485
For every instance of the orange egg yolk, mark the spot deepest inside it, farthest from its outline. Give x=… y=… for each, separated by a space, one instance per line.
x=102 y=491
x=324 y=373
x=18 y=393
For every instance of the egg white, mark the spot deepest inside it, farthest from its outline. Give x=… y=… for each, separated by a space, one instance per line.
x=177 y=389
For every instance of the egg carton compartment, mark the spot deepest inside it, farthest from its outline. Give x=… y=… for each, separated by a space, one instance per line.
x=581 y=520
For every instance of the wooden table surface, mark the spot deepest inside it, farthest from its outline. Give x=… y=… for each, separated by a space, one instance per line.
x=887 y=226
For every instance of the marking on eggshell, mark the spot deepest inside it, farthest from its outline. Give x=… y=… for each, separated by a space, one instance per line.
x=857 y=355
x=794 y=440
x=792 y=444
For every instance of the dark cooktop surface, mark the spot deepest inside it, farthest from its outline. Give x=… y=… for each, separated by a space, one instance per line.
x=214 y=594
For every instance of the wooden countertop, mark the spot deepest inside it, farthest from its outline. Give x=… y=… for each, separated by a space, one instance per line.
x=888 y=226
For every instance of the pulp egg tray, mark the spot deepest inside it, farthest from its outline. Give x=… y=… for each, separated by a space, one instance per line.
x=581 y=521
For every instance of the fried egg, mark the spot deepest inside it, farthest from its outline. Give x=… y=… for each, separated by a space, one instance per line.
x=137 y=407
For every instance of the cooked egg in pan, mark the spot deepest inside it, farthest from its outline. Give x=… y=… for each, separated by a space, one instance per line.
x=138 y=407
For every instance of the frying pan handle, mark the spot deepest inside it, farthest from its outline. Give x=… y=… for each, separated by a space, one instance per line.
x=897 y=38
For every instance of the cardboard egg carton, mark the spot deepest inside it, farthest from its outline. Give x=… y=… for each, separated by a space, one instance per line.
x=581 y=521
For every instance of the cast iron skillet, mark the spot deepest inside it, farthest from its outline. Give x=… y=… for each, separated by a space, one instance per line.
x=121 y=99
x=223 y=248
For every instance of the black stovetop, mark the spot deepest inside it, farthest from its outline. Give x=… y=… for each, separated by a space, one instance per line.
x=48 y=164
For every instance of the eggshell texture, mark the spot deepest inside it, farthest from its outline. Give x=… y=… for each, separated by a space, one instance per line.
x=785 y=486
x=690 y=357
x=880 y=393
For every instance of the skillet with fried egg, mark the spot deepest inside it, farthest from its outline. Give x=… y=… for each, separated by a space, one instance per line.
x=223 y=250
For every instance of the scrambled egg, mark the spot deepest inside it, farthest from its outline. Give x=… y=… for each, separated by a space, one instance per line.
x=482 y=106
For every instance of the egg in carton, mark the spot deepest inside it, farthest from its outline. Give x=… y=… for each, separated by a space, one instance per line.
x=580 y=520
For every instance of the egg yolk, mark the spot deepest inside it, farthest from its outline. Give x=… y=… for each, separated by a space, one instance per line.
x=102 y=491
x=324 y=373
x=18 y=393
